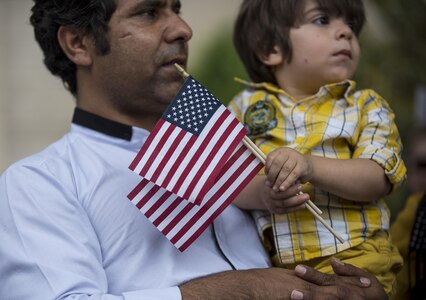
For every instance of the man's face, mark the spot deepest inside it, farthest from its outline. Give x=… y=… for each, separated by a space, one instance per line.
x=147 y=37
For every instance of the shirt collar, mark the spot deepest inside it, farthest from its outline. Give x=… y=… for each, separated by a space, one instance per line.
x=101 y=124
x=340 y=90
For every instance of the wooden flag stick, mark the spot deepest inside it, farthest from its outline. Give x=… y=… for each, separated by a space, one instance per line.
x=261 y=156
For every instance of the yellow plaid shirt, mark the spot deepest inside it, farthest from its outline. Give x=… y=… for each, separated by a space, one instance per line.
x=337 y=122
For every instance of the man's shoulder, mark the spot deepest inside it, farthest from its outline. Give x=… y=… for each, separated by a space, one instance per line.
x=51 y=157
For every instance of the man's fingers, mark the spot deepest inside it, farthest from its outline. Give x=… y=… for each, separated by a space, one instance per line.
x=348 y=273
x=349 y=270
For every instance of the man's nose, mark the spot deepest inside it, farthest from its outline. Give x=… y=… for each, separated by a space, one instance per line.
x=178 y=29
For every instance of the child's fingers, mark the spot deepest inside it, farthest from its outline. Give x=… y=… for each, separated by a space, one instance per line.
x=287 y=176
x=275 y=170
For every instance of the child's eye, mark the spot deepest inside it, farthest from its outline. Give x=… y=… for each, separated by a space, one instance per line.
x=322 y=20
x=351 y=25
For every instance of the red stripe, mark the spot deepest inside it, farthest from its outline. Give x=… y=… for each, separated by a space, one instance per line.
x=229 y=162
x=178 y=160
x=168 y=155
x=198 y=153
x=148 y=141
x=147 y=196
x=157 y=149
x=137 y=189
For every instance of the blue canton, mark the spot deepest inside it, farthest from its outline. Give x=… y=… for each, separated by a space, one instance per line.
x=192 y=108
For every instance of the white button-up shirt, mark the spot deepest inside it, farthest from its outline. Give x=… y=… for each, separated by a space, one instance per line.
x=68 y=231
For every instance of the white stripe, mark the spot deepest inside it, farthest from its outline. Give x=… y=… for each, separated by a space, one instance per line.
x=151 y=147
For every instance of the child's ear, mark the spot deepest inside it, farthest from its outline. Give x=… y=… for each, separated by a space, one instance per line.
x=273 y=58
x=76 y=45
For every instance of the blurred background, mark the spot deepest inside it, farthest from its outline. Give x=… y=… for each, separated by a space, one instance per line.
x=35 y=109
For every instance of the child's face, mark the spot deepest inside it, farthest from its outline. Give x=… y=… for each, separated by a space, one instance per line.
x=325 y=50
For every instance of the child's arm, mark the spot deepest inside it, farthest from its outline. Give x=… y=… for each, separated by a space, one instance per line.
x=354 y=179
x=257 y=195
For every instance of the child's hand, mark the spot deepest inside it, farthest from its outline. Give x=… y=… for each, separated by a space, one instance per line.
x=284 y=166
x=284 y=202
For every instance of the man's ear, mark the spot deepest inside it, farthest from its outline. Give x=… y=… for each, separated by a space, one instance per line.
x=273 y=58
x=75 y=45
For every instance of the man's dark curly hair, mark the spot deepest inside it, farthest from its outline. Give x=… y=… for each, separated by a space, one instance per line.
x=91 y=16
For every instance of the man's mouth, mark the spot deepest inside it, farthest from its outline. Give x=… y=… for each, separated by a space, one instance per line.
x=177 y=60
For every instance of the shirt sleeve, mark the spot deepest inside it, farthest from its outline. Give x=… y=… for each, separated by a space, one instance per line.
x=48 y=248
x=379 y=137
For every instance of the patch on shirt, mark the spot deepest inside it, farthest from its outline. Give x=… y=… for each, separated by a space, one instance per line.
x=260 y=118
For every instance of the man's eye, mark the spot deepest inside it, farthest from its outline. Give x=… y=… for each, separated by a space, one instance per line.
x=151 y=12
x=323 y=20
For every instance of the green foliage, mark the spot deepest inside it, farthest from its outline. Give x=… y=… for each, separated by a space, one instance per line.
x=218 y=67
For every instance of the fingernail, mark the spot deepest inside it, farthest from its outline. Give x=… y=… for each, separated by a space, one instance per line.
x=338 y=261
x=300 y=269
x=365 y=281
x=296 y=295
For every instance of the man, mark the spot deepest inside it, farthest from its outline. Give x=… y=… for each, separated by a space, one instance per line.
x=68 y=231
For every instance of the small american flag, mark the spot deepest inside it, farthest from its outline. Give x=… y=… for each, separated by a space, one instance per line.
x=183 y=222
x=190 y=144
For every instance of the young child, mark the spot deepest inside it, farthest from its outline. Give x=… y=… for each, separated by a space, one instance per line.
x=338 y=146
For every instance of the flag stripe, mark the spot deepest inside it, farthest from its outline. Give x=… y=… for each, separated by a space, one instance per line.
x=217 y=191
x=148 y=196
x=167 y=157
x=202 y=190
x=147 y=148
x=156 y=152
x=178 y=161
x=146 y=144
x=198 y=229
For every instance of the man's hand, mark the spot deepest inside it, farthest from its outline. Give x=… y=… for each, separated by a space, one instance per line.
x=349 y=283
x=284 y=166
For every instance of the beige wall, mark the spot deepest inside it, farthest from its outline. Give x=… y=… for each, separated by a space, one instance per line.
x=35 y=109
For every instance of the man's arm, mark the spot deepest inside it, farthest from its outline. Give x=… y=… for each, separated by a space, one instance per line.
x=349 y=283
